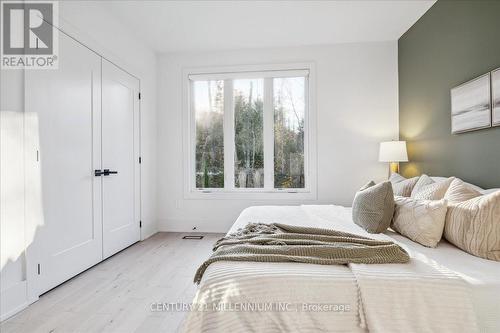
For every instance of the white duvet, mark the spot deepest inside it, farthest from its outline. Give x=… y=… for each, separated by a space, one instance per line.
x=440 y=290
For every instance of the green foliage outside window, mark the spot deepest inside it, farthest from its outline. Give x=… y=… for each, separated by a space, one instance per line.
x=210 y=135
x=249 y=147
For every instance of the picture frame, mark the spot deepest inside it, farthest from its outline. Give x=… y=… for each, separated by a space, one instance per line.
x=471 y=105
x=495 y=97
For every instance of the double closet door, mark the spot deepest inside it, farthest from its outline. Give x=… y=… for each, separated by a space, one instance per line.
x=82 y=131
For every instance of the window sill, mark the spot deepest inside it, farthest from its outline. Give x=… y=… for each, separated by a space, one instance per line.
x=290 y=195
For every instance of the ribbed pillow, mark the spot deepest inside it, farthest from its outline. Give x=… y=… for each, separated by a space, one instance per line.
x=459 y=191
x=396 y=178
x=434 y=191
x=402 y=186
x=420 y=220
x=423 y=181
x=373 y=207
x=474 y=225
x=490 y=190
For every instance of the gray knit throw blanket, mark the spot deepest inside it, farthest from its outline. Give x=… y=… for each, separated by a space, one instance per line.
x=277 y=242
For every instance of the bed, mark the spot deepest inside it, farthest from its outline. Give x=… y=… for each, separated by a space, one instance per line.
x=440 y=290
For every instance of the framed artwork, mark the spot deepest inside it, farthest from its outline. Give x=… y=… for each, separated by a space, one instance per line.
x=471 y=105
x=495 y=97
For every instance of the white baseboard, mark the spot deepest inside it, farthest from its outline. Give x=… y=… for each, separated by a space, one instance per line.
x=148 y=234
x=148 y=230
x=13 y=300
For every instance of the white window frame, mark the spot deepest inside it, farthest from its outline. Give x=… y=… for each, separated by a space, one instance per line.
x=309 y=192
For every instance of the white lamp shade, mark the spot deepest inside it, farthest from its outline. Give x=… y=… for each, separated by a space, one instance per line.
x=393 y=151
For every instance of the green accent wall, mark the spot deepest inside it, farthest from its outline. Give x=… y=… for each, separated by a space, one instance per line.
x=453 y=42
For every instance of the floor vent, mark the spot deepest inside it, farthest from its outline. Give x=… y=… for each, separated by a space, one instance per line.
x=192 y=237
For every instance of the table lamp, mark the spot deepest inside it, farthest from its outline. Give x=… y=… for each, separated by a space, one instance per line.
x=393 y=152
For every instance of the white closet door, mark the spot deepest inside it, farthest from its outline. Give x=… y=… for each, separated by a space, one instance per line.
x=120 y=155
x=63 y=196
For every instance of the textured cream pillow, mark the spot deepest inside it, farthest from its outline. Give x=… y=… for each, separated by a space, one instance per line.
x=373 y=207
x=423 y=181
x=433 y=191
x=420 y=220
x=474 y=225
x=402 y=186
x=459 y=191
x=491 y=190
x=396 y=178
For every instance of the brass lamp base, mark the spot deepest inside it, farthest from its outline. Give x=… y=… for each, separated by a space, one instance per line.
x=393 y=168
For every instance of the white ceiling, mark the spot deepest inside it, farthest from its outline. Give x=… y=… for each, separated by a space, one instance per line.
x=178 y=26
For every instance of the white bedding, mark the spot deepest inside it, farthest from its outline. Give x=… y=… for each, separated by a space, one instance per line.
x=450 y=290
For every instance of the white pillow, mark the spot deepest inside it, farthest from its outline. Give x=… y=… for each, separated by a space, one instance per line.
x=422 y=182
x=491 y=190
x=459 y=191
x=402 y=186
x=420 y=220
x=475 y=187
x=439 y=179
x=432 y=191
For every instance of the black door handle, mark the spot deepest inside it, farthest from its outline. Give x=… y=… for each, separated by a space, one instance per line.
x=107 y=172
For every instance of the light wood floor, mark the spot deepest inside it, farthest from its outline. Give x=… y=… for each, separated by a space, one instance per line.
x=116 y=295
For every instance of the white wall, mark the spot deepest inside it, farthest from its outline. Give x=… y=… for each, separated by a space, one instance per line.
x=356 y=108
x=12 y=228
x=90 y=23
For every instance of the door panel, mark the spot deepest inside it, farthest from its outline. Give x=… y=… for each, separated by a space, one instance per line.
x=120 y=153
x=63 y=114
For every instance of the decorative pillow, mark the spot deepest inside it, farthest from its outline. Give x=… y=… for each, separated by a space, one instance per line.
x=474 y=187
x=396 y=178
x=420 y=220
x=402 y=186
x=423 y=181
x=489 y=191
x=474 y=226
x=367 y=185
x=434 y=191
x=459 y=191
x=373 y=207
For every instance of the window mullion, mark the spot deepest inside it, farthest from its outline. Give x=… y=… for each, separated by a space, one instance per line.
x=192 y=138
x=229 y=145
x=306 y=133
x=268 y=135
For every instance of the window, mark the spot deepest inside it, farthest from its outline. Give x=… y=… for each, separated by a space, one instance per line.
x=209 y=110
x=249 y=131
x=248 y=101
x=289 y=118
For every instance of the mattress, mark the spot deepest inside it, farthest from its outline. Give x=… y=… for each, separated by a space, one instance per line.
x=319 y=298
